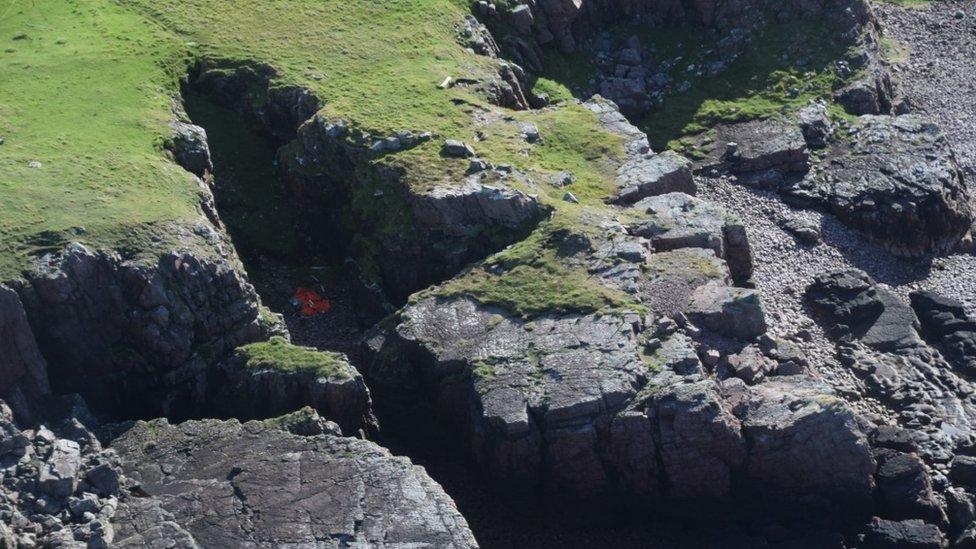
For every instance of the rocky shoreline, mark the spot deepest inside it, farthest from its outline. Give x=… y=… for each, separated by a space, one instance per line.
x=787 y=329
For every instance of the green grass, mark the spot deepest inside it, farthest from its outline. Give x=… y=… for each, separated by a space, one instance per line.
x=764 y=81
x=85 y=90
x=248 y=189
x=539 y=276
x=280 y=355
x=377 y=64
x=88 y=88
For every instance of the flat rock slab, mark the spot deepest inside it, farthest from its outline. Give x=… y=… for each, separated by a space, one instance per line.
x=252 y=485
x=760 y=145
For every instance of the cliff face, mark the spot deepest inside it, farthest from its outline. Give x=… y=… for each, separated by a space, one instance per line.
x=23 y=371
x=131 y=336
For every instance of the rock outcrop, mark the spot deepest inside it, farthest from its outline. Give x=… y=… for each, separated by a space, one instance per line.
x=897 y=182
x=566 y=405
x=677 y=220
x=556 y=21
x=136 y=337
x=220 y=483
x=23 y=371
x=434 y=232
x=268 y=379
x=946 y=325
x=855 y=307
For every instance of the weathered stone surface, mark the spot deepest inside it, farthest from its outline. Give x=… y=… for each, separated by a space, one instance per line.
x=751 y=365
x=670 y=278
x=905 y=488
x=59 y=476
x=806 y=232
x=946 y=325
x=678 y=220
x=898 y=183
x=652 y=175
x=190 y=148
x=104 y=321
x=805 y=442
x=734 y=312
x=906 y=534
x=142 y=522
x=762 y=145
x=566 y=404
x=23 y=371
x=456 y=210
x=815 y=124
x=294 y=491
x=700 y=440
x=453 y=147
x=852 y=306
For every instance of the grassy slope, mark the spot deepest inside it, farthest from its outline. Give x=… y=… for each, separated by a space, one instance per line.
x=89 y=90
x=764 y=81
x=85 y=90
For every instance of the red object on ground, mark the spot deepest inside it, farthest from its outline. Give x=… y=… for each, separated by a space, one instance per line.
x=311 y=302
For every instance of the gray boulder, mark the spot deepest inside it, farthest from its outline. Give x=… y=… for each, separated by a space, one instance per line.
x=455 y=148
x=905 y=487
x=853 y=306
x=804 y=442
x=898 y=183
x=946 y=324
x=762 y=145
x=652 y=175
x=296 y=491
x=190 y=148
x=58 y=476
x=905 y=534
x=815 y=124
x=730 y=311
x=751 y=365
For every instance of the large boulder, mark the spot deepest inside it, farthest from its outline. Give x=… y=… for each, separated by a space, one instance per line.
x=654 y=174
x=853 y=306
x=946 y=324
x=230 y=484
x=190 y=148
x=763 y=145
x=897 y=182
x=730 y=311
x=805 y=443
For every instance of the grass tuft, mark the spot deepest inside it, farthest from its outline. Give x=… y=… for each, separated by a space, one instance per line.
x=280 y=355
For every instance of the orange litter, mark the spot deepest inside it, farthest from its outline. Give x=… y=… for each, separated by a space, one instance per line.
x=312 y=303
